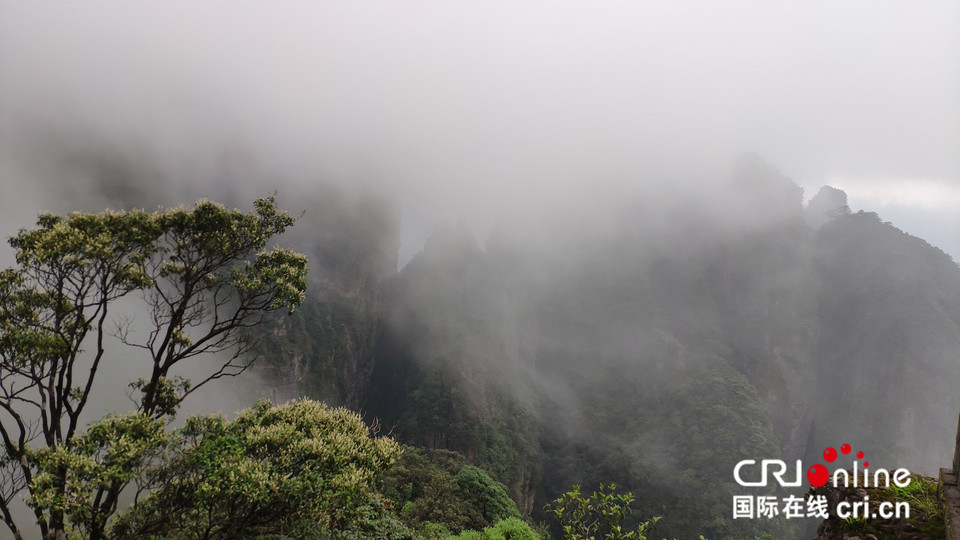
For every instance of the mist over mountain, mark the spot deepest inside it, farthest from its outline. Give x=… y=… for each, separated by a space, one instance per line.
x=654 y=344
x=650 y=331
x=527 y=239
x=652 y=334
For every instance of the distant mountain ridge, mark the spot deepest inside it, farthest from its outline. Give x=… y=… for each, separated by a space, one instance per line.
x=654 y=352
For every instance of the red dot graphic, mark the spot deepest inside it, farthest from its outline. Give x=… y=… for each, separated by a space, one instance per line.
x=817 y=475
x=845 y=448
x=830 y=454
x=859 y=455
x=866 y=464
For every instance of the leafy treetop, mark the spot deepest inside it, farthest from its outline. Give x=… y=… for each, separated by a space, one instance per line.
x=205 y=276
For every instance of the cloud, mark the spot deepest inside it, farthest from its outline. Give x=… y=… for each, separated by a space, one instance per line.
x=464 y=109
x=926 y=208
x=875 y=193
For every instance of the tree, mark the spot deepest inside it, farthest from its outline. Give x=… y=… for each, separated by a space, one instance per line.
x=298 y=470
x=596 y=516
x=485 y=494
x=205 y=277
x=511 y=528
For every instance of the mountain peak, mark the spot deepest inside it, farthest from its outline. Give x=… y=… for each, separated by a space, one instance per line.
x=826 y=205
x=767 y=193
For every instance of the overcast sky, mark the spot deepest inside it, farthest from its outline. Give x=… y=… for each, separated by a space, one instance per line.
x=466 y=105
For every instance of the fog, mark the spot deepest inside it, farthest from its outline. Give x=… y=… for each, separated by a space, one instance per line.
x=528 y=121
x=464 y=109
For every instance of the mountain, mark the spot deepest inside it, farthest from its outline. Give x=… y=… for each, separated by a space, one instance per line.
x=653 y=342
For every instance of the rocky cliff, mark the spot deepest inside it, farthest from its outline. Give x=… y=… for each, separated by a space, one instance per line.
x=654 y=347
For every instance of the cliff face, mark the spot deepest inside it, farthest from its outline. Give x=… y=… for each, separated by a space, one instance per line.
x=450 y=366
x=655 y=349
x=887 y=368
x=327 y=348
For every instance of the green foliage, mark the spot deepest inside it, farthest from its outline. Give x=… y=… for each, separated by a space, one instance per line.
x=205 y=276
x=599 y=515
x=432 y=531
x=920 y=493
x=113 y=450
x=423 y=490
x=512 y=528
x=926 y=511
x=438 y=488
x=489 y=497
x=299 y=469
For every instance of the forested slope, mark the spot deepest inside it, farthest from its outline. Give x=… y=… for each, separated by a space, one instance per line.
x=654 y=345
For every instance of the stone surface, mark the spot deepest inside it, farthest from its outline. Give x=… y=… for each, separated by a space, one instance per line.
x=950 y=495
x=834 y=528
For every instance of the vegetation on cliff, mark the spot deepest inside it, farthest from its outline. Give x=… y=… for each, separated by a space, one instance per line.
x=660 y=345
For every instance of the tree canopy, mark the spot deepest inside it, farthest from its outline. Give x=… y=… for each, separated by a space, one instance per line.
x=299 y=470
x=205 y=276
